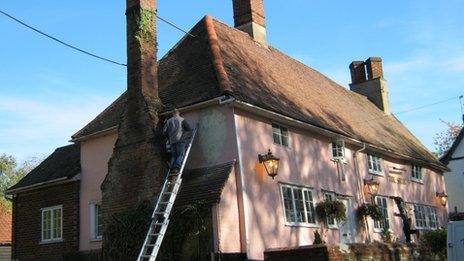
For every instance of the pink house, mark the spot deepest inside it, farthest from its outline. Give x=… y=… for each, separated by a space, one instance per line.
x=248 y=98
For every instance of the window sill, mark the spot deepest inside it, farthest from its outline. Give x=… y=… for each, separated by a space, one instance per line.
x=282 y=146
x=418 y=181
x=51 y=241
x=96 y=239
x=342 y=160
x=380 y=174
x=333 y=227
x=302 y=225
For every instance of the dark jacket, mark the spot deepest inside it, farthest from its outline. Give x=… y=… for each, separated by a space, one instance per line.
x=174 y=129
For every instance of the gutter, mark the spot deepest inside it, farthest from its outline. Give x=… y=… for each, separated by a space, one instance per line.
x=218 y=100
x=297 y=123
x=44 y=184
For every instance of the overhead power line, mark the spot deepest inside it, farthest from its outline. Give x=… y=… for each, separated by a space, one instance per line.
x=412 y=109
x=60 y=41
x=80 y=49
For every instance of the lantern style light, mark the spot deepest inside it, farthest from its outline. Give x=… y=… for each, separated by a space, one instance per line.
x=372 y=185
x=442 y=197
x=270 y=162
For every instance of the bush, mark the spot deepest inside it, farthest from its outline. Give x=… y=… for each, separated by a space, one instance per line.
x=331 y=208
x=456 y=216
x=434 y=242
x=371 y=210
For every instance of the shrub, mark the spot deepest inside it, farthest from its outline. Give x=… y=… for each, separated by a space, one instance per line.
x=434 y=242
x=371 y=210
x=386 y=235
x=456 y=216
x=331 y=208
x=317 y=238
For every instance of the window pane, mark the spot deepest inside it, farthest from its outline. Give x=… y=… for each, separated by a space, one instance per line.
x=284 y=141
x=299 y=204
x=384 y=222
x=288 y=204
x=309 y=207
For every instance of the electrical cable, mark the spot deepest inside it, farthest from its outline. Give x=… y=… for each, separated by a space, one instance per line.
x=60 y=41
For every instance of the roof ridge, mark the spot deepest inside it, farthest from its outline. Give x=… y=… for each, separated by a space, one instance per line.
x=218 y=64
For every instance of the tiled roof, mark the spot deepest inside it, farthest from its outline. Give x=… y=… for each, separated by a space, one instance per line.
x=223 y=60
x=203 y=185
x=63 y=163
x=5 y=224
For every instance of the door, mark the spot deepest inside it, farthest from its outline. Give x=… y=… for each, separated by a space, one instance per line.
x=347 y=228
x=455 y=240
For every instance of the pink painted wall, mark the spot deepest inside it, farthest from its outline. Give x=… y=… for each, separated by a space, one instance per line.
x=306 y=162
x=95 y=154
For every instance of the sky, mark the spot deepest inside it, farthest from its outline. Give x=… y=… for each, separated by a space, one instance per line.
x=48 y=92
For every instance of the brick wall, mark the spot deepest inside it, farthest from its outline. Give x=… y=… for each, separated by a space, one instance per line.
x=374 y=251
x=27 y=222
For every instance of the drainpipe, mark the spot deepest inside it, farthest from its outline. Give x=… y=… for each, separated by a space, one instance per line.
x=361 y=197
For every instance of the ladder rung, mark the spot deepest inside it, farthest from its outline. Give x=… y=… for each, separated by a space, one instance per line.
x=155 y=235
x=160 y=213
x=159 y=224
x=165 y=202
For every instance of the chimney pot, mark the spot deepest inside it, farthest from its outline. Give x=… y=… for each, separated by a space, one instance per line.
x=374 y=68
x=358 y=72
x=249 y=17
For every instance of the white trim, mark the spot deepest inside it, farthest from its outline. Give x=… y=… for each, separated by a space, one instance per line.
x=338 y=158
x=51 y=210
x=43 y=184
x=93 y=225
x=380 y=229
x=301 y=189
x=243 y=188
x=421 y=173
x=280 y=127
x=380 y=163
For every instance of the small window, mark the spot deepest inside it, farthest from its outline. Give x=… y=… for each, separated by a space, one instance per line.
x=52 y=223
x=338 y=149
x=384 y=223
x=298 y=205
x=331 y=221
x=280 y=135
x=96 y=224
x=375 y=164
x=416 y=173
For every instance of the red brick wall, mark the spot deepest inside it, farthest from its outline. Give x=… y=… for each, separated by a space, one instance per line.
x=27 y=222
x=246 y=11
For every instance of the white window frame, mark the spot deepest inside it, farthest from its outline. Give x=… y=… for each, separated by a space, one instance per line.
x=426 y=214
x=93 y=221
x=51 y=210
x=386 y=218
x=373 y=160
x=335 y=146
x=417 y=173
x=307 y=213
x=331 y=196
x=280 y=134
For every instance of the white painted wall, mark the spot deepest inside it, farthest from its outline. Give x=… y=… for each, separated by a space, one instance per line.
x=455 y=180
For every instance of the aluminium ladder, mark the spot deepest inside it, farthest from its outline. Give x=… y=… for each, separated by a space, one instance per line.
x=160 y=217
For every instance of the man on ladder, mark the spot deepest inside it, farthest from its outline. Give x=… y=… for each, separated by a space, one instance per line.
x=176 y=129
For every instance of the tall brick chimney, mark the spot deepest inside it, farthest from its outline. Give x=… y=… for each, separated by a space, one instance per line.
x=249 y=17
x=367 y=79
x=136 y=166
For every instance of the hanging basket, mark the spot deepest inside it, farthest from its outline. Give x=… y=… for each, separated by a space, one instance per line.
x=331 y=208
x=371 y=210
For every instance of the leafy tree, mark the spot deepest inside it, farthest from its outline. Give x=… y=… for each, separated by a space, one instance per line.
x=11 y=172
x=444 y=140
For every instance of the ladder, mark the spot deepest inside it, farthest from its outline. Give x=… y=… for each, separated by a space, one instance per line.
x=160 y=217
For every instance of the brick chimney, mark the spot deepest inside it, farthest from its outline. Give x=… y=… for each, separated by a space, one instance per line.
x=367 y=79
x=249 y=17
x=135 y=170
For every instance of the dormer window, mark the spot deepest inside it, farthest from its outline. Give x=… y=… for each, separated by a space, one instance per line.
x=375 y=164
x=416 y=173
x=280 y=135
x=338 y=149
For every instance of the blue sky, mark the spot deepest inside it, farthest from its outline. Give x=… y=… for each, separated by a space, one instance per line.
x=48 y=92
